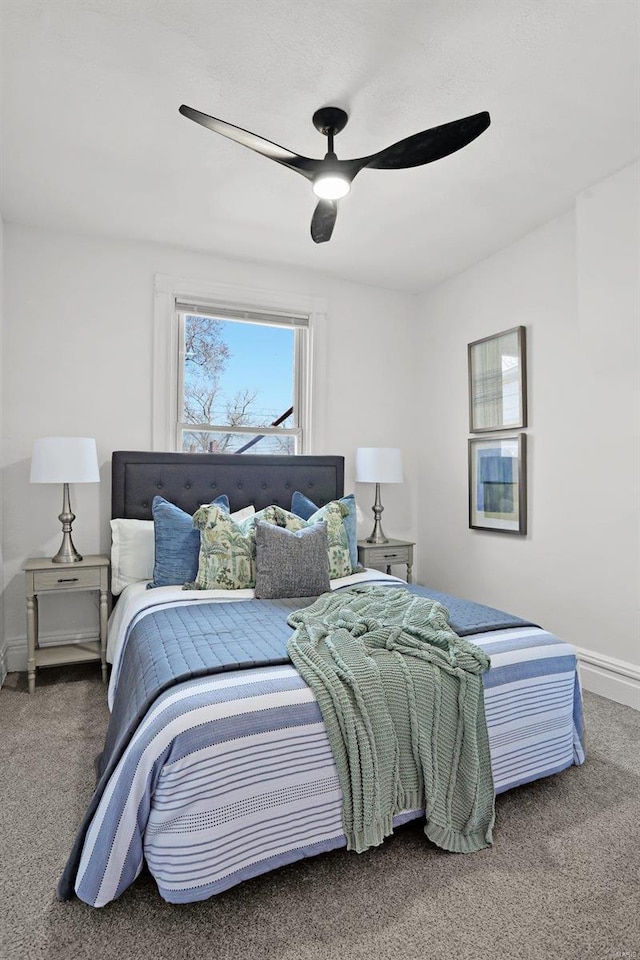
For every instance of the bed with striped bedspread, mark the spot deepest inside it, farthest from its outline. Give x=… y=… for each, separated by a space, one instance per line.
x=231 y=775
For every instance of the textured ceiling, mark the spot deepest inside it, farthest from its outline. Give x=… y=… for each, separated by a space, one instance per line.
x=93 y=142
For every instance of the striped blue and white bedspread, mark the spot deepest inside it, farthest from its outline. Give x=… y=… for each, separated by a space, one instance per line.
x=231 y=775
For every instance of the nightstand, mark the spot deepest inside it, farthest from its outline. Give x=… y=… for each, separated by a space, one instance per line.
x=44 y=576
x=386 y=554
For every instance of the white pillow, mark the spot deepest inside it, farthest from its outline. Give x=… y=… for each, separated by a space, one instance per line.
x=133 y=550
x=244 y=513
x=132 y=553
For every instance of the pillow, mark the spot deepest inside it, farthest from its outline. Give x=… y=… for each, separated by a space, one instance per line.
x=227 y=558
x=131 y=553
x=291 y=563
x=338 y=546
x=177 y=542
x=304 y=508
x=239 y=515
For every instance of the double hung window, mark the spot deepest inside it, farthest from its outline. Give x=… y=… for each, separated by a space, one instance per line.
x=242 y=383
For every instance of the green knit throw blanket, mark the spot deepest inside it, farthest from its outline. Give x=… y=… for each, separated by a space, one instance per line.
x=401 y=696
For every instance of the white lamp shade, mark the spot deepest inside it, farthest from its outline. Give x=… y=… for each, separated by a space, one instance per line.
x=378 y=465
x=64 y=460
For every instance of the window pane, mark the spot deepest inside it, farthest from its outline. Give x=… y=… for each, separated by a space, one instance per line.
x=237 y=373
x=208 y=441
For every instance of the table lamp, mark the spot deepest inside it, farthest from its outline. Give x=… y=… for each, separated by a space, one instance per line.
x=65 y=460
x=378 y=465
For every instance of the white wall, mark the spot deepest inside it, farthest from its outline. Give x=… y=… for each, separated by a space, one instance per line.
x=3 y=641
x=78 y=353
x=574 y=284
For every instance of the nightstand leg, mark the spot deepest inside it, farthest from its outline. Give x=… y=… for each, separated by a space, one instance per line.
x=408 y=573
x=103 y=634
x=32 y=637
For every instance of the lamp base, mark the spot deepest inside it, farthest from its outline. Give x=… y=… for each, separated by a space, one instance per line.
x=377 y=534
x=376 y=539
x=67 y=552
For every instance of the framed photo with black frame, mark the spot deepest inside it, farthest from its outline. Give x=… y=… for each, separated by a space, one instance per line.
x=498 y=484
x=498 y=382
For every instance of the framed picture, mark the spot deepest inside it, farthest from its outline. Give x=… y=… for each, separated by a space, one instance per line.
x=498 y=484
x=498 y=382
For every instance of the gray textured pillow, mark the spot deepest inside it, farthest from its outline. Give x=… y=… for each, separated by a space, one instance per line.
x=291 y=564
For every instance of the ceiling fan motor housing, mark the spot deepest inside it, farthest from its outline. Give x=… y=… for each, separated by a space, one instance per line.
x=330 y=120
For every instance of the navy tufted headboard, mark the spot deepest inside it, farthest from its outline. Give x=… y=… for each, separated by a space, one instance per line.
x=190 y=479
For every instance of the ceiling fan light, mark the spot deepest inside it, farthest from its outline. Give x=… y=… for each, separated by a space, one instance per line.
x=331 y=186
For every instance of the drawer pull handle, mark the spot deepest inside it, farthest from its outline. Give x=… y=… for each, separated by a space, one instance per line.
x=68 y=580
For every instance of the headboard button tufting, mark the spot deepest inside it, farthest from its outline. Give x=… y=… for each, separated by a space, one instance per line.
x=138 y=476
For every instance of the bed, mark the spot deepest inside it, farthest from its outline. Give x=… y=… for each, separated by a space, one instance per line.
x=219 y=767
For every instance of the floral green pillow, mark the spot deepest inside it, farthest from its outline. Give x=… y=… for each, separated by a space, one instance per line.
x=338 y=544
x=227 y=559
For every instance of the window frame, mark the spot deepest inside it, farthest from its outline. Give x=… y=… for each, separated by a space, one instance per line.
x=166 y=398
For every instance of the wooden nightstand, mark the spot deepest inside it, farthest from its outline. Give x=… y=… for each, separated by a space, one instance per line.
x=386 y=554
x=44 y=576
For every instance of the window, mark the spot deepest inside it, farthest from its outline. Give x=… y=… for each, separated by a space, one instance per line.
x=268 y=355
x=240 y=381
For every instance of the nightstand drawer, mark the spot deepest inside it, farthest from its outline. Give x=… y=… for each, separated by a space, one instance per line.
x=386 y=554
x=66 y=579
x=383 y=555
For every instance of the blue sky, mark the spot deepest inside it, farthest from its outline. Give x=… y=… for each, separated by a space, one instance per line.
x=261 y=359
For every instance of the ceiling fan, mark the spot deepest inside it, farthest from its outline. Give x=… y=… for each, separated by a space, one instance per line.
x=331 y=178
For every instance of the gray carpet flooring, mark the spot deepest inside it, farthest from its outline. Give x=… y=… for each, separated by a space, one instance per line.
x=561 y=881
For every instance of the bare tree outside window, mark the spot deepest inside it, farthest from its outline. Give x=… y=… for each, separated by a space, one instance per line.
x=238 y=380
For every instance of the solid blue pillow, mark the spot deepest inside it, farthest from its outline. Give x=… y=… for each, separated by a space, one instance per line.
x=304 y=508
x=177 y=543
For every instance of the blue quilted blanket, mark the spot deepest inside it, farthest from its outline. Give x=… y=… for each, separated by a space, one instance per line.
x=169 y=646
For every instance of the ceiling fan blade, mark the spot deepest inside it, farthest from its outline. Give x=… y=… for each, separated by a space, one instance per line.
x=304 y=165
x=323 y=221
x=429 y=145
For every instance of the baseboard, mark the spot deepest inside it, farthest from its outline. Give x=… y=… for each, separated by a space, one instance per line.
x=4 y=670
x=615 y=679
x=16 y=650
